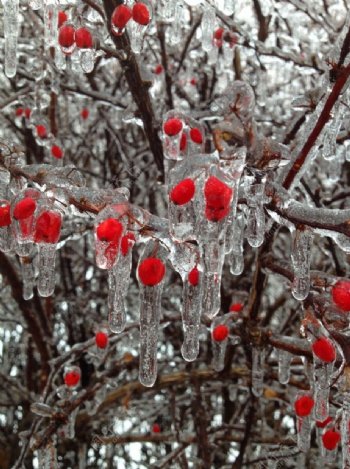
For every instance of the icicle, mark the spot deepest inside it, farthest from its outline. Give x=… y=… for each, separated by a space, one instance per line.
x=151 y=271
x=284 y=359
x=50 y=23
x=87 y=59
x=258 y=363
x=168 y=9
x=220 y=335
x=236 y=256
x=23 y=214
x=228 y=7
x=213 y=257
x=142 y=15
x=304 y=433
x=208 y=26
x=11 y=16
x=345 y=430
x=255 y=230
x=118 y=281
x=27 y=277
x=46 y=278
x=191 y=313
x=301 y=258
x=175 y=32
x=172 y=134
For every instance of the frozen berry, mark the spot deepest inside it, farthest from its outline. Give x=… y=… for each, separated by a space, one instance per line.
x=5 y=216
x=24 y=208
x=303 y=406
x=71 y=378
x=156 y=428
x=218 y=198
x=236 y=307
x=218 y=33
x=19 y=111
x=183 y=192
x=109 y=230
x=84 y=114
x=158 y=69
x=193 y=277
x=193 y=81
x=341 y=294
x=27 y=112
x=196 y=136
x=120 y=17
x=41 y=131
x=220 y=333
x=151 y=271
x=62 y=18
x=172 y=127
x=48 y=227
x=183 y=142
x=127 y=243
x=140 y=14
x=56 y=152
x=324 y=350
x=83 y=38
x=66 y=36
x=331 y=439
x=101 y=339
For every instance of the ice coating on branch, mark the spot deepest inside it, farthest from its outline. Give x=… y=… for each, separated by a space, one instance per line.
x=167 y=9
x=208 y=26
x=175 y=30
x=151 y=273
x=11 y=17
x=329 y=150
x=226 y=6
x=118 y=283
x=284 y=360
x=254 y=189
x=50 y=23
x=301 y=258
x=258 y=364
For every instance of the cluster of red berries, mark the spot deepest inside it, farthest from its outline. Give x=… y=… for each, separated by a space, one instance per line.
x=122 y=14
x=69 y=37
x=110 y=231
x=174 y=126
x=26 y=112
x=220 y=35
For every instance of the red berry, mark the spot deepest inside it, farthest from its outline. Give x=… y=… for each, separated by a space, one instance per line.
x=140 y=14
x=236 y=307
x=5 y=216
x=172 y=127
x=24 y=208
x=56 y=152
x=193 y=277
x=19 y=111
x=121 y=15
x=156 y=428
x=66 y=36
x=218 y=34
x=183 y=192
x=151 y=271
x=324 y=423
x=41 y=131
x=109 y=230
x=101 y=339
x=324 y=350
x=48 y=227
x=27 y=112
x=158 y=69
x=341 y=294
x=331 y=439
x=183 y=142
x=83 y=38
x=84 y=113
x=220 y=333
x=127 y=243
x=71 y=378
x=193 y=81
x=218 y=198
x=62 y=18
x=196 y=136
x=303 y=406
